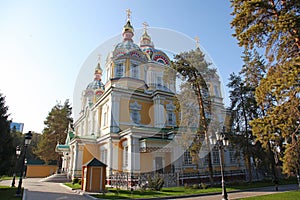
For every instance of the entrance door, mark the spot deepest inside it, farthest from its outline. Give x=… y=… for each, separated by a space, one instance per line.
x=159 y=164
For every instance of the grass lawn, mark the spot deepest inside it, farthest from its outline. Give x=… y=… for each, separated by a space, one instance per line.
x=6 y=178
x=293 y=195
x=73 y=186
x=165 y=192
x=179 y=191
x=8 y=193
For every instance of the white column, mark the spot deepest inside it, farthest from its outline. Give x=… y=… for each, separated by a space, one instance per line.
x=130 y=154
x=109 y=158
x=159 y=118
x=74 y=160
x=134 y=161
x=115 y=113
x=78 y=160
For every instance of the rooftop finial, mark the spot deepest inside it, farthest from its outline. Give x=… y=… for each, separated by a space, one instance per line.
x=197 y=42
x=128 y=11
x=145 y=24
x=99 y=58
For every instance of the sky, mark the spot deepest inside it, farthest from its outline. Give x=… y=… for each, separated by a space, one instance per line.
x=43 y=44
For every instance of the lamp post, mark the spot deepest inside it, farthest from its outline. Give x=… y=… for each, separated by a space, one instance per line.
x=221 y=141
x=18 y=152
x=27 y=141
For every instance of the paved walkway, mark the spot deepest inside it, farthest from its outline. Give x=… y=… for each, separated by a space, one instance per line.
x=248 y=193
x=37 y=189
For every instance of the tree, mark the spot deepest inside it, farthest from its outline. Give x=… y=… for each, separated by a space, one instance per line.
x=292 y=157
x=194 y=71
x=273 y=27
x=55 y=131
x=6 y=147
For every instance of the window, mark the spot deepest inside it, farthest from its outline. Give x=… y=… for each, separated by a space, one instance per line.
x=216 y=159
x=159 y=81
x=135 y=114
x=216 y=91
x=206 y=160
x=171 y=118
x=233 y=159
x=187 y=158
x=134 y=71
x=125 y=157
x=119 y=70
x=103 y=154
x=105 y=119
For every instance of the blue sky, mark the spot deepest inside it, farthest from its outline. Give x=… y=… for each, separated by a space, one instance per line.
x=43 y=44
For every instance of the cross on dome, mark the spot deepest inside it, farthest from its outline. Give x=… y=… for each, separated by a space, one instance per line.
x=197 y=42
x=99 y=58
x=145 y=24
x=128 y=11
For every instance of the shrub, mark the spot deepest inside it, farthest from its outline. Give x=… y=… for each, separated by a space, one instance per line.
x=156 y=183
x=195 y=186
x=75 y=180
x=203 y=186
x=79 y=181
x=186 y=186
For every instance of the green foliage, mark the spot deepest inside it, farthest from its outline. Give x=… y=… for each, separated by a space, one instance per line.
x=203 y=186
x=55 y=131
x=75 y=186
x=6 y=148
x=292 y=158
x=292 y=195
x=8 y=193
x=156 y=183
x=195 y=103
x=273 y=27
x=186 y=186
x=75 y=180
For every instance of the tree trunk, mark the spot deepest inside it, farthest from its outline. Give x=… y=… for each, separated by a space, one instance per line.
x=247 y=138
x=203 y=122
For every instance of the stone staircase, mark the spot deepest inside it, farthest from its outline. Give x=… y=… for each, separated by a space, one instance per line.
x=57 y=178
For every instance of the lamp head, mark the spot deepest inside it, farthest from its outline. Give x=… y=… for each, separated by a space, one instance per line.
x=18 y=150
x=28 y=137
x=212 y=139
x=225 y=141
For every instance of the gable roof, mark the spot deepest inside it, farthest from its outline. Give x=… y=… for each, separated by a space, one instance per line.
x=95 y=162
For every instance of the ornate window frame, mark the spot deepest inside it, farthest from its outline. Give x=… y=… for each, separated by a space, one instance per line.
x=119 y=69
x=135 y=112
x=171 y=117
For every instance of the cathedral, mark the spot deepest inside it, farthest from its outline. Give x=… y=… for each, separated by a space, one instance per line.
x=130 y=122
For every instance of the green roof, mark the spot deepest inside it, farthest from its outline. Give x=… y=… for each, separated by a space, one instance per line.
x=95 y=162
x=71 y=135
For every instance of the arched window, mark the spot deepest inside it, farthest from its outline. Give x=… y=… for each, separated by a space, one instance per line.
x=119 y=70
x=134 y=70
x=125 y=154
x=135 y=114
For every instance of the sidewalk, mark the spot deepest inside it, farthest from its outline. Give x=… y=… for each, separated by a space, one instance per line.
x=245 y=193
x=37 y=189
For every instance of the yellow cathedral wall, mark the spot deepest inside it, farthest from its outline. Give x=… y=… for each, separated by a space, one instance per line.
x=146 y=162
x=90 y=151
x=40 y=171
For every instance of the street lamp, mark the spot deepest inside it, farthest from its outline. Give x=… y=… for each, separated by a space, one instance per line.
x=27 y=141
x=18 y=153
x=221 y=141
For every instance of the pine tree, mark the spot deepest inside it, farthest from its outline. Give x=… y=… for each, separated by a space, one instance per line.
x=55 y=131
x=194 y=71
x=273 y=27
x=6 y=147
